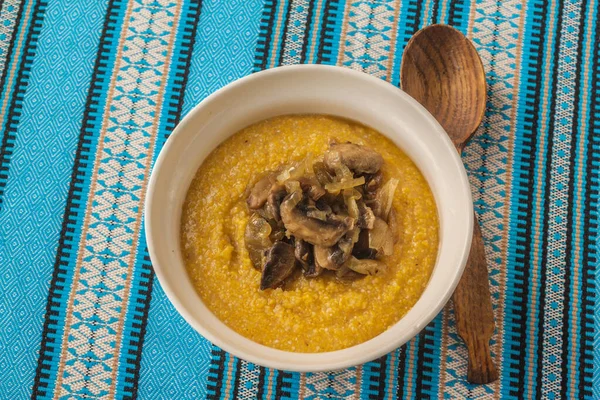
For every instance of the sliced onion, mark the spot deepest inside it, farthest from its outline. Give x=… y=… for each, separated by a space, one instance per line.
x=295 y=198
x=257 y=239
x=350 y=202
x=388 y=245
x=378 y=234
x=296 y=170
x=385 y=198
x=322 y=174
x=336 y=187
x=292 y=186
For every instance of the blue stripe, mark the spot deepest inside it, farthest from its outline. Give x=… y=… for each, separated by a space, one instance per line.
x=14 y=23
x=403 y=35
x=431 y=363
x=13 y=91
x=331 y=32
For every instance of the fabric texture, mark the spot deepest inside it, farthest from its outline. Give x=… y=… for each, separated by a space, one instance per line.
x=89 y=93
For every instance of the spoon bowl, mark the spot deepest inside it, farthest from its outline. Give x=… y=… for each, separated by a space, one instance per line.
x=442 y=70
x=439 y=62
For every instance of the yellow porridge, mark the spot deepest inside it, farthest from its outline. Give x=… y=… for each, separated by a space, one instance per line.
x=303 y=312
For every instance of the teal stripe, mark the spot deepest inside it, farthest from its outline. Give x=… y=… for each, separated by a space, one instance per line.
x=332 y=31
x=11 y=62
x=41 y=168
x=431 y=365
x=403 y=35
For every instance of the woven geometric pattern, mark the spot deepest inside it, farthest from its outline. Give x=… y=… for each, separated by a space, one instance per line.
x=89 y=94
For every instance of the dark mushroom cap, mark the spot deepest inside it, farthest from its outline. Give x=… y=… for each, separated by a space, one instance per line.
x=279 y=264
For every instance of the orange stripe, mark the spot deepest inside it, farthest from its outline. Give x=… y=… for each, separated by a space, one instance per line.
x=229 y=378
x=302 y=386
x=358 y=387
x=410 y=366
x=270 y=386
x=425 y=18
x=391 y=376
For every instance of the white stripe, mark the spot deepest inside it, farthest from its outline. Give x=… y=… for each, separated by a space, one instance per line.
x=296 y=30
x=109 y=238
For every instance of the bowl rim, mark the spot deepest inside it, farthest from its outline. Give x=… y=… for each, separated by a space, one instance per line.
x=386 y=347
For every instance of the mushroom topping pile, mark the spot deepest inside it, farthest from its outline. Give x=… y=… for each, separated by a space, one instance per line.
x=327 y=215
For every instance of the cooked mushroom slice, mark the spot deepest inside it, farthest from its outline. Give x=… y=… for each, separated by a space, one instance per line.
x=372 y=184
x=313 y=230
x=311 y=186
x=366 y=218
x=342 y=250
x=324 y=259
x=274 y=199
x=277 y=234
x=260 y=192
x=361 y=249
x=304 y=254
x=359 y=159
x=313 y=271
x=366 y=267
x=257 y=239
x=305 y=257
x=279 y=264
x=322 y=205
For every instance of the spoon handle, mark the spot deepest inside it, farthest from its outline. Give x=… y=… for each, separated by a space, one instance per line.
x=474 y=314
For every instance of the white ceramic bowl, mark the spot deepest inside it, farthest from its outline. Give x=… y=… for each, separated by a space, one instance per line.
x=308 y=89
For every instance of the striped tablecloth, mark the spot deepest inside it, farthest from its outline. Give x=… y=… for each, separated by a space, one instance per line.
x=90 y=91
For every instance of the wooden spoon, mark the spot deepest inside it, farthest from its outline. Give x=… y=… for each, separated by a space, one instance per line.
x=442 y=70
